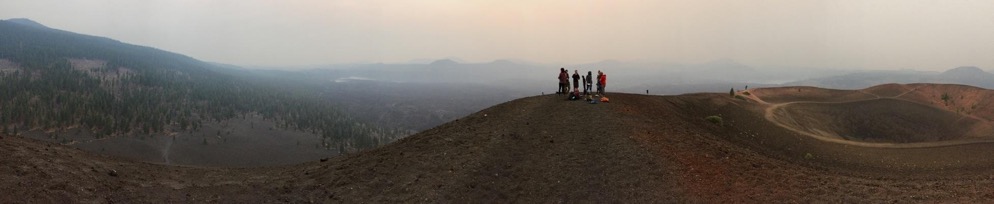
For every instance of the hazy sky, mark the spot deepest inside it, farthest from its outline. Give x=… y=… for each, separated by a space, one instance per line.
x=878 y=34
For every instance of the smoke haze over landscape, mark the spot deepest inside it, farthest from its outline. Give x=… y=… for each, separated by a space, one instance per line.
x=383 y=101
x=889 y=35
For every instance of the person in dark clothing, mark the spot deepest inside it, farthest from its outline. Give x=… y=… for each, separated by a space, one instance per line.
x=587 y=84
x=598 y=82
x=563 y=81
x=576 y=81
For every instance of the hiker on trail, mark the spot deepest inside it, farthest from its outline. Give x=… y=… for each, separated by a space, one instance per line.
x=576 y=81
x=563 y=81
x=587 y=84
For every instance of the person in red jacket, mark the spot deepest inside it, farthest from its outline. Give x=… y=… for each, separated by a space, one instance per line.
x=563 y=81
x=601 y=82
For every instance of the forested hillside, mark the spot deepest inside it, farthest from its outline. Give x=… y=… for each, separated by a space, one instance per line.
x=62 y=82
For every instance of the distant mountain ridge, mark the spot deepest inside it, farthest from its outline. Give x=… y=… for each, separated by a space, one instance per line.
x=27 y=22
x=969 y=75
x=964 y=71
x=25 y=40
x=443 y=62
x=966 y=75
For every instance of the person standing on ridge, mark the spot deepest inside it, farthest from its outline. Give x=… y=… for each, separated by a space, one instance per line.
x=583 y=79
x=563 y=80
x=576 y=81
x=587 y=84
x=603 y=82
x=599 y=81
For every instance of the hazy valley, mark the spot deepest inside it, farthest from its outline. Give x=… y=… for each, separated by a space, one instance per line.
x=154 y=98
x=93 y=119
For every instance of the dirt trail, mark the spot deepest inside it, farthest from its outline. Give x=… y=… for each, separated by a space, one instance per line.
x=749 y=159
x=770 y=114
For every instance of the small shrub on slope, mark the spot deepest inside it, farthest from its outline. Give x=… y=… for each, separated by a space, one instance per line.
x=714 y=119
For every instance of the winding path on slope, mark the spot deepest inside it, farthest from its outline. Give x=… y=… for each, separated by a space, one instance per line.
x=771 y=110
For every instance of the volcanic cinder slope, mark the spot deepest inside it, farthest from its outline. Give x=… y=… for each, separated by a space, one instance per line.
x=890 y=115
x=636 y=149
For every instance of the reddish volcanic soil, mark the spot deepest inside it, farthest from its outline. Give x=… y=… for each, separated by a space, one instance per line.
x=635 y=149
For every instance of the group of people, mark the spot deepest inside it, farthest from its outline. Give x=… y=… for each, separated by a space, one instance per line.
x=587 y=81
